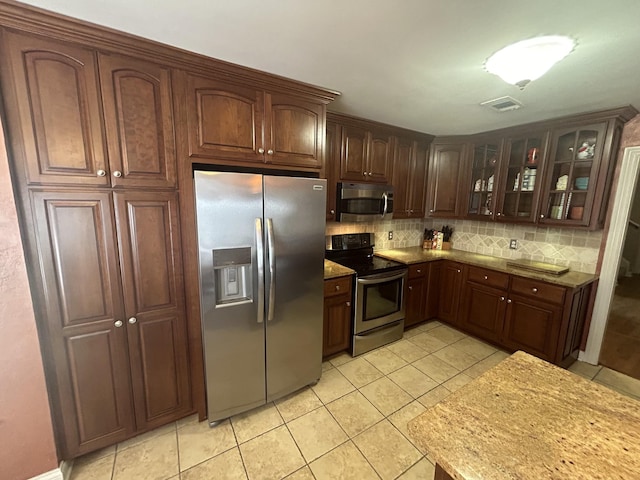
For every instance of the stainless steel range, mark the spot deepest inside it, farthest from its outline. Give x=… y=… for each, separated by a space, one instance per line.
x=378 y=315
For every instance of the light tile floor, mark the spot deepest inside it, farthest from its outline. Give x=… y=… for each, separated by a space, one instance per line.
x=351 y=425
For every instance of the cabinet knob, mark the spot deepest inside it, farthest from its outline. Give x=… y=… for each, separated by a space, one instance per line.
x=261 y=150
x=502 y=299
x=269 y=152
x=364 y=173
x=337 y=287
x=486 y=277
x=541 y=216
x=410 y=288
x=410 y=211
x=101 y=173
x=430 y=211
x=419 y=271
x=499 y=214
x=490 y=212
x=133 y=320
x=332 y=212
x=534 y=290
x=509 y=301
x=370 y=173
x=348 y=304
x=117 y=173
x=459 y=270
x=118 y=323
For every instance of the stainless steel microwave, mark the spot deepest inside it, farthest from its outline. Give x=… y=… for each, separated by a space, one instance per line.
x=364 y=202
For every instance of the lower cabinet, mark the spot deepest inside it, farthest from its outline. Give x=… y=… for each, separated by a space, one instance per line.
x=416 y=294
x=336 y=335
x=451 y=282
x=517 y=313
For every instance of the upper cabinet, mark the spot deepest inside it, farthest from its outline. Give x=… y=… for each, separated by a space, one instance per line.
x=447 y=179
x=366 y=156
x=61 y=92
x=483 y=184
x=409 y=177
x=521 y=178
x=234 y=122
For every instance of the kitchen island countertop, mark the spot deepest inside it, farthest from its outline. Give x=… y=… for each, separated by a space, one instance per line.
x=411 y=255
x=528 y=419
x=334 y=270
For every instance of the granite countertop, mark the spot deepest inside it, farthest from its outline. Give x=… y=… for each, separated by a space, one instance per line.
x=334 y=270
x=528 y=419
x=411 y=255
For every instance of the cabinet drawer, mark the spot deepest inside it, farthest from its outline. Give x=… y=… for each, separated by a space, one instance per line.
x=418 y=270
x=537 y=289
x=490 y=278
x=337 y=286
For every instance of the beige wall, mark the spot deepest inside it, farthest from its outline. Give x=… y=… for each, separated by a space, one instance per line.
x=26 y=435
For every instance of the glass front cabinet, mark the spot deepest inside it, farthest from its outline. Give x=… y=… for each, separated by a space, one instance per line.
x=572 y=175
x=483 y=184
x=522 y=182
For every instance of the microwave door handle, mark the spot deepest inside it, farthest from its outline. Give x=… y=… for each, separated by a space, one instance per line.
x=271 y=249
x=385 y=197
x=260 y=261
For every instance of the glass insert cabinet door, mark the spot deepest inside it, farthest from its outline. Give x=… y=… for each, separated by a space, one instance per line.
x=484 y=182
x=573 y=170
x=523 y=178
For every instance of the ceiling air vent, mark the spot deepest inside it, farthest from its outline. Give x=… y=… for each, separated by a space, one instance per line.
x=503 y=104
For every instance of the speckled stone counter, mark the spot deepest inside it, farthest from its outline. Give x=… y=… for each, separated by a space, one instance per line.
x=418 y=254
x=333 y=270
x=528 y=419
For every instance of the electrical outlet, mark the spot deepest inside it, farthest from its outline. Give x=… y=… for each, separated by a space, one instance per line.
x=513 y=244
x=390 y=234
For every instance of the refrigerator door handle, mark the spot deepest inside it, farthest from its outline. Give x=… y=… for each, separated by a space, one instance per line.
x=260 y=261
x=271 y=252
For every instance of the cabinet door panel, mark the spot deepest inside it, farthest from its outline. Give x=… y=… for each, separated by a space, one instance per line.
x=296 y=130
x=152 y=275
x=82 y=300
x=446 y=169
x=56 y=94
x=98 y=370
x=532 y=326
x=379 y=161
x=337 y=324
x=451 y=277
x=354 y=154
x=416 y=302
x=418 y=181
x=400 y=180
x=483 y=311
x=139 y=122
x=224 y=121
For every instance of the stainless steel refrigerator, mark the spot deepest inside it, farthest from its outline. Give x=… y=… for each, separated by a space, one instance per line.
x=261 y=254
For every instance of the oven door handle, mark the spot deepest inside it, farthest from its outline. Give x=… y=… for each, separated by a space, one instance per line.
x=371 y=279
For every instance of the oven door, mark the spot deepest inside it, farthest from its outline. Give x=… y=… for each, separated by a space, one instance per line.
x=379 y=300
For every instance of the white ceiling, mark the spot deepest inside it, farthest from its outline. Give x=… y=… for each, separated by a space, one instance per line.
x=412 y=63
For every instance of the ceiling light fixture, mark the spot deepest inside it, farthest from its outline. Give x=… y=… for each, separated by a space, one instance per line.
x=527 y=60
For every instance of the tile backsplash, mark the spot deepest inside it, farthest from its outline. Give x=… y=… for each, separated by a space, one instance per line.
x=577 y=249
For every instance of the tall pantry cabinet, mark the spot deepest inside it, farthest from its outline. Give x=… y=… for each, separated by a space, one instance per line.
x=94 y=159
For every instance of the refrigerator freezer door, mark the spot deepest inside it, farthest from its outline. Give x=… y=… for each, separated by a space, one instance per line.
x=294 y=210
x=229 y=214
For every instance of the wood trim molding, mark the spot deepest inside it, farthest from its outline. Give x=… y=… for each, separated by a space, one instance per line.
x=53 y=25
x=350 y=120
x=612 y=252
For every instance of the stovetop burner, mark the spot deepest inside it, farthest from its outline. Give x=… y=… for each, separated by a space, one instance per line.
x=355 y=250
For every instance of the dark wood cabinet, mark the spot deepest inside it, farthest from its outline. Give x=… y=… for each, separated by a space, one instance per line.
x=366 y=156
x=336 y=335
x=330 y=166
x=118 y=341
x=138 y=113
x=416 y=294
x=447 y=179
x=484 y=303
x=54 y=113
x=451 y=282
x=228 y=121
x=482 y=186
x=409 y=178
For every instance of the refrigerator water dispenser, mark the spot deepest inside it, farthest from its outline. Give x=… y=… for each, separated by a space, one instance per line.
x=232 y=272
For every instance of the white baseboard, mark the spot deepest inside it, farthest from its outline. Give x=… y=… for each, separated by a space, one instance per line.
x=50 y=475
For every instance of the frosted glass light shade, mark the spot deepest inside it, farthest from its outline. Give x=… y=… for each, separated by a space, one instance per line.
x=525 y=61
